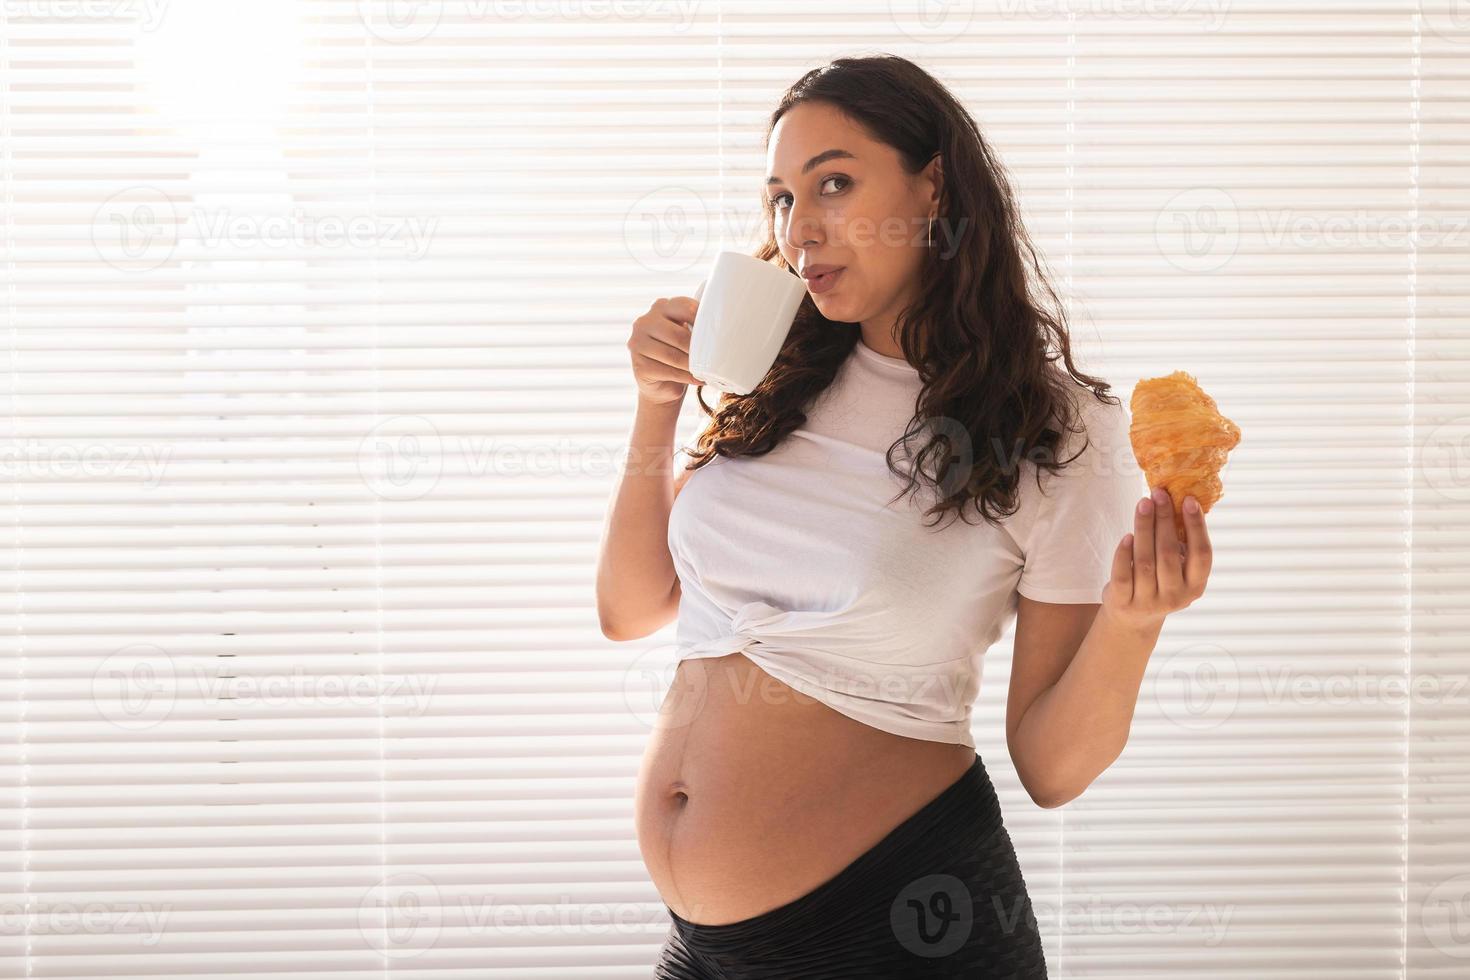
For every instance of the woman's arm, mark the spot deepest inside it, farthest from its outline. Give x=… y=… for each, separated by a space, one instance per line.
x=1075 y=678
x=1078 y=675
x=637 y=590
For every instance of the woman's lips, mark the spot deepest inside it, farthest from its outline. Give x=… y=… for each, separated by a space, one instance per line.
x=824 y=282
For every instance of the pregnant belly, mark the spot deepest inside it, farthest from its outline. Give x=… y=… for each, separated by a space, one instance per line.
x=751 y=794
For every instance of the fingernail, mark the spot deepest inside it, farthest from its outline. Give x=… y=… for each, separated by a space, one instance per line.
x=1145 y=506
x=1191 y=505
x=1161 y=496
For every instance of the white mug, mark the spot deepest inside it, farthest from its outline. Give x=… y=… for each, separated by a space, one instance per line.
x=746 y=309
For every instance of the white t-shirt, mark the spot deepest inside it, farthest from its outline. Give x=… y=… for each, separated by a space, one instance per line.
x=798 y=558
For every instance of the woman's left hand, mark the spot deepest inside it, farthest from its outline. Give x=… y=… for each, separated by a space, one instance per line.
x=1154 y=573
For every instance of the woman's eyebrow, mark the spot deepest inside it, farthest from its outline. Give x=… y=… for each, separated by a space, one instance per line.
x=820 y=158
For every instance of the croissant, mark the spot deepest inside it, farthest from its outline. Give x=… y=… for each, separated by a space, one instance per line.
x=1180 y=440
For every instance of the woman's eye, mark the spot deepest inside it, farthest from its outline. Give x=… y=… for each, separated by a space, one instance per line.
x=776 y=201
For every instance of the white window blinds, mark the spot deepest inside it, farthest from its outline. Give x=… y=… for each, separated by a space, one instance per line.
x=315 y=387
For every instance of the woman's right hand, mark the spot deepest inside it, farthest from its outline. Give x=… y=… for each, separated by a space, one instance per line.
x=659 y=346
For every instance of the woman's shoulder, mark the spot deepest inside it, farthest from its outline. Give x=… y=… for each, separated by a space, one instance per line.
x=1096 y=429
x=1094 y=457
x=1105 y=424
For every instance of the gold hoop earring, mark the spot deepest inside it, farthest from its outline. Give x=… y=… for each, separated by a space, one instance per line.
x=930 y=242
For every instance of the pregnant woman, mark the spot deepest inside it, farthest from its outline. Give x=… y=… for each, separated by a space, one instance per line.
x=811 y=803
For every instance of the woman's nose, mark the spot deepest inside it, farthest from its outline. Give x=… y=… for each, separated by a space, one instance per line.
x=804 y=228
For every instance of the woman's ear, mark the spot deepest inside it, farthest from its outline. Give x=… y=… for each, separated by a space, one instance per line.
x=935 y=173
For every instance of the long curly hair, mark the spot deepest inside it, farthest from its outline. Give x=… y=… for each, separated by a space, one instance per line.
x=985 y=345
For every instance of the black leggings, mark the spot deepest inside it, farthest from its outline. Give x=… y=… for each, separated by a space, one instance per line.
x=941 y=895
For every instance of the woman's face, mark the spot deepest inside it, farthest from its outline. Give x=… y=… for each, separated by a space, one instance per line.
x=856 y=208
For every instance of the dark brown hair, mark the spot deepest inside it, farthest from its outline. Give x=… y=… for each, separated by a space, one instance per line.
x=981 y=341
